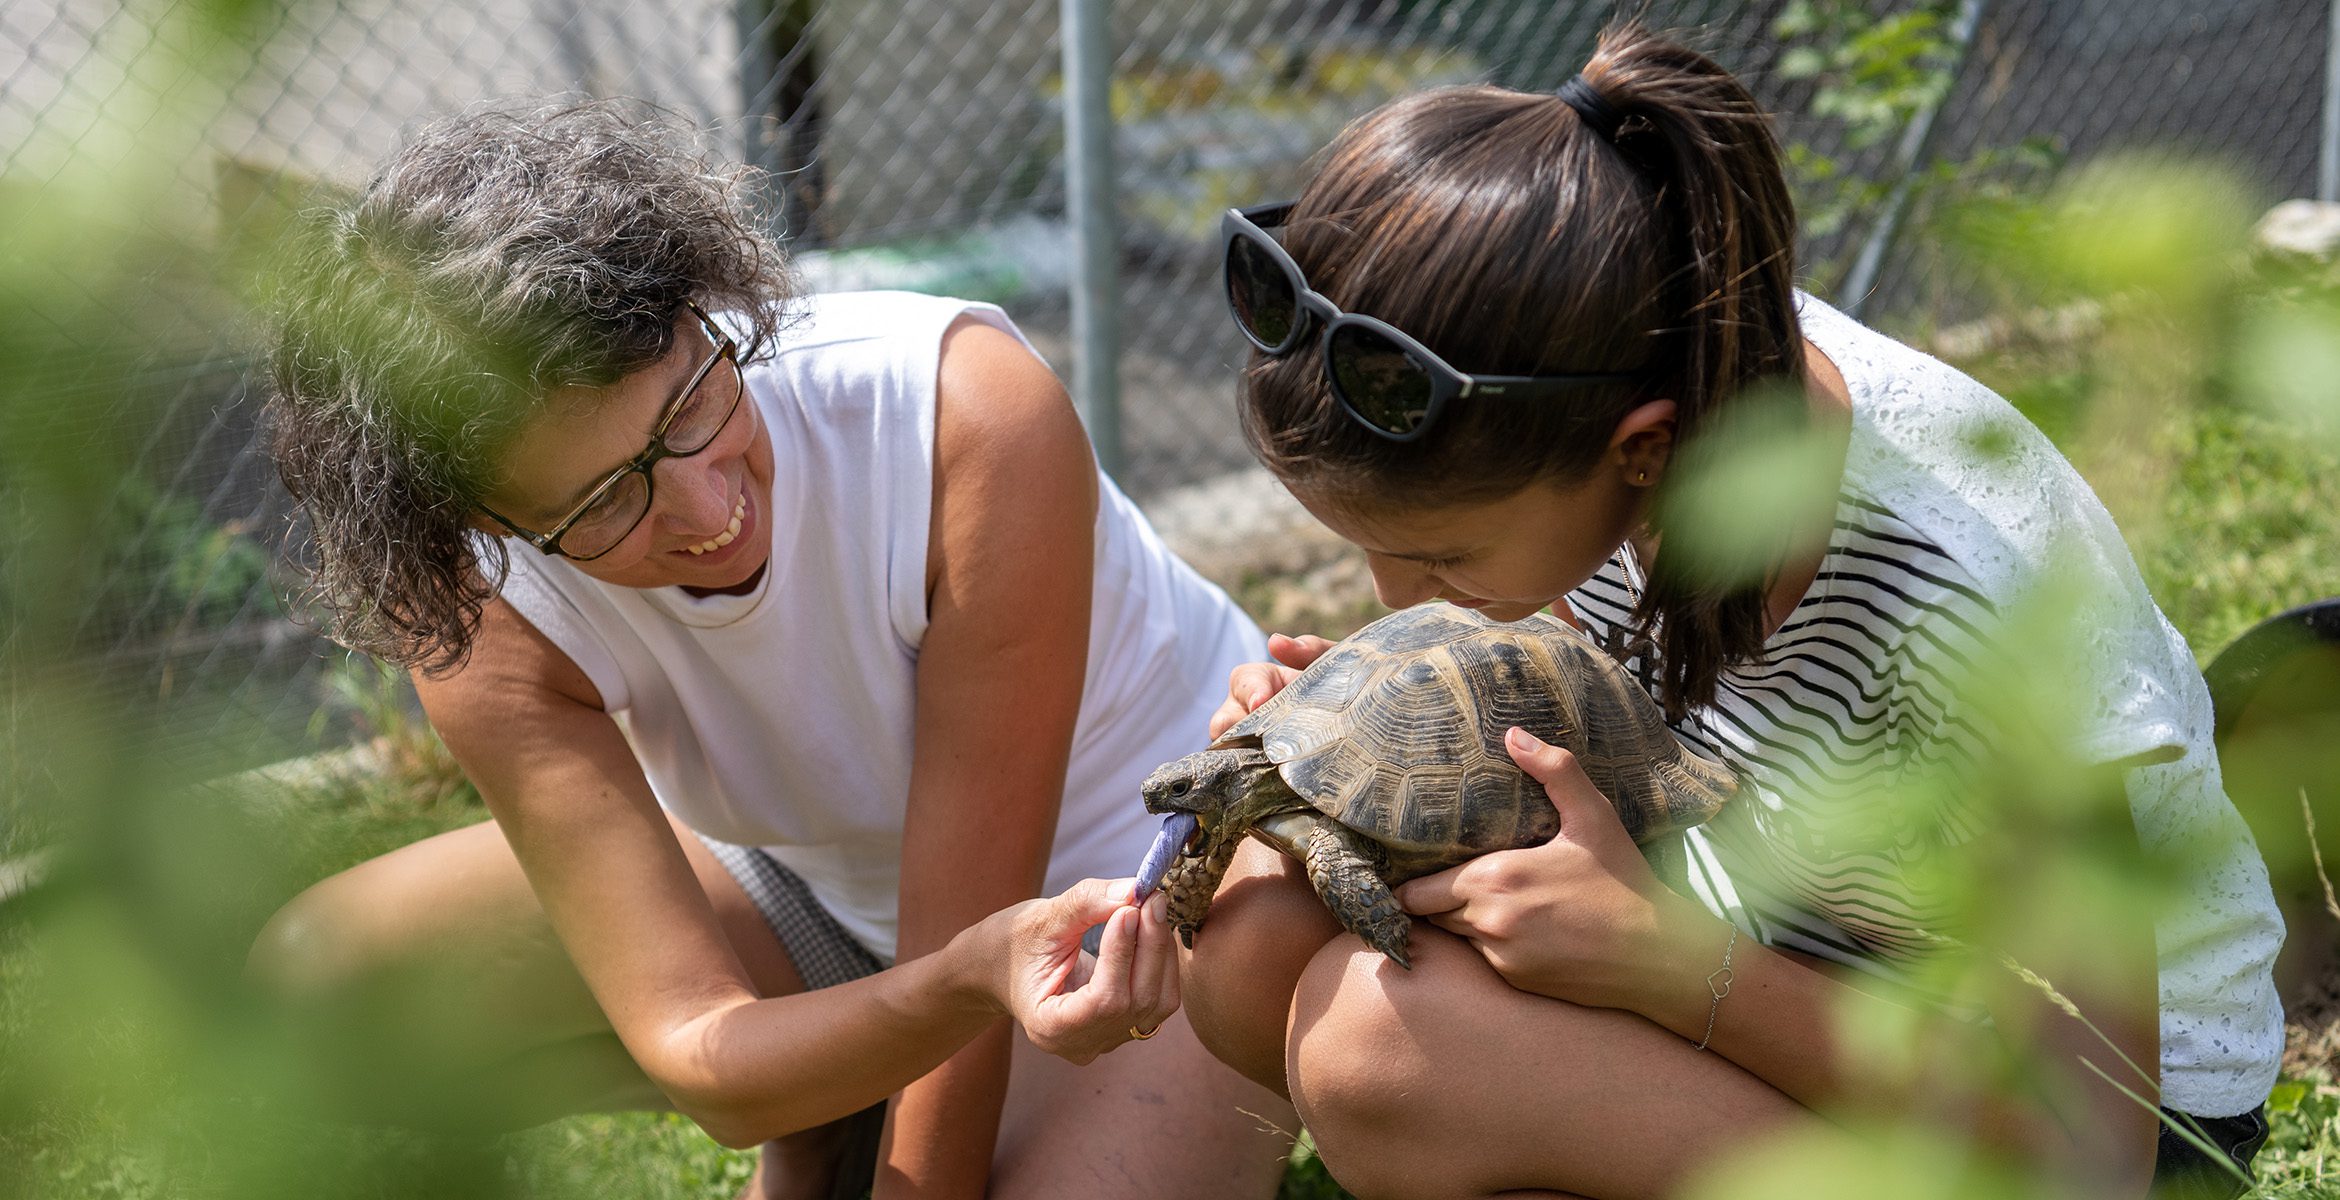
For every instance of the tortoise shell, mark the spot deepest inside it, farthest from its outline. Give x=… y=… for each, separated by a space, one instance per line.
x=1397 y=732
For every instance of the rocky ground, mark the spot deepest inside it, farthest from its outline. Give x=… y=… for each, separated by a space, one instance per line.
x=1245 y=533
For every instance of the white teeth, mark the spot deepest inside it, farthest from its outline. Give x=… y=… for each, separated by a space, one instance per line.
x=720 y=540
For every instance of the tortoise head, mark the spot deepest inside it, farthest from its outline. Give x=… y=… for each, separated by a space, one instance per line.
x=1211 y=784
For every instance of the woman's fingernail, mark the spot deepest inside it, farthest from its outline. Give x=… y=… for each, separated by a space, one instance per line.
x=1521 y=739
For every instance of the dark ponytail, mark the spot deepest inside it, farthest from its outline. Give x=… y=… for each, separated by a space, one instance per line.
x=1512 y=238
x=1695 y=130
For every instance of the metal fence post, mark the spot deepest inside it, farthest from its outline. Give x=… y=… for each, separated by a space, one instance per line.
x=2328 y=158
x=1909 y=158
x=778 y=114
x=1088 y=168
x=757 y=67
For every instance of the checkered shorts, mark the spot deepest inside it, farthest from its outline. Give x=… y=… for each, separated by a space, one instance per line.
x=825 y=956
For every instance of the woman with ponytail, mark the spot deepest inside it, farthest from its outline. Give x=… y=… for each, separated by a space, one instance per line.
x=1496 y=336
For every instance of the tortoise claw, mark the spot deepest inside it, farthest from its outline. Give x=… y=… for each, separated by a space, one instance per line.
x=1387 y=932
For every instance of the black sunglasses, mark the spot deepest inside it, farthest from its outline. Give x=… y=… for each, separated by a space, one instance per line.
x=1392 y=384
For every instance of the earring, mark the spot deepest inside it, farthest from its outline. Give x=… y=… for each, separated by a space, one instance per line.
x=1642 y=477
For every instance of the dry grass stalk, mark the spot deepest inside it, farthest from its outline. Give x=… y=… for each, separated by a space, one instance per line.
x=2307 y=815
x=2311 y=1038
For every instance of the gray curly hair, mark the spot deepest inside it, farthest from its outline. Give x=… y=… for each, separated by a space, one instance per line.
x=502 y=254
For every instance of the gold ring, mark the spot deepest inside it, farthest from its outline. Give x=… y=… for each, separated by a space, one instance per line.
x=1142 y=1035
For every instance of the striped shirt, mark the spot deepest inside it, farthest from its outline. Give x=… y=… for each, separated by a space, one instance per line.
x=1858 y=754
x=1854 y=695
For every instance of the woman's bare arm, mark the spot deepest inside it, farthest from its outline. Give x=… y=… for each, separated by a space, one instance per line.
x=527 y=726
x=1009 y=571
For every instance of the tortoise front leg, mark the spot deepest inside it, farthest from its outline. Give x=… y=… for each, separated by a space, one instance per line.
x=1346 y=869
x=1194 y=881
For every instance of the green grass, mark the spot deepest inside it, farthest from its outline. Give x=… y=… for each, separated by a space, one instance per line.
x=2303 y=1117
x=2230 y=512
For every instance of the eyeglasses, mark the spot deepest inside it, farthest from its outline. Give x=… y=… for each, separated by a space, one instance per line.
x=619 y=502
x=1392 y=384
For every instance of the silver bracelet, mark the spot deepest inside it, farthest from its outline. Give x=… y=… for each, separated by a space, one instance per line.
x=1718 y=985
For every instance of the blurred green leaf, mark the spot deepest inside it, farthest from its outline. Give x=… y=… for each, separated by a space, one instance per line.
x=1862 y=1164
x=1758 y=472
x=2166 y=229
x=1801 y=62
x=2288 y=362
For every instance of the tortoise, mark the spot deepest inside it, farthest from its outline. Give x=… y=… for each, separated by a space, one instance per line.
x=1385 y=760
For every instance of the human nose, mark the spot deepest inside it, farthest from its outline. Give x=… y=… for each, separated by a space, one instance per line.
x=1398 y=584
x=695 y=496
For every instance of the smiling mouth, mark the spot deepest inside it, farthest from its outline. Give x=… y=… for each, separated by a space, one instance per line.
x=720 y=540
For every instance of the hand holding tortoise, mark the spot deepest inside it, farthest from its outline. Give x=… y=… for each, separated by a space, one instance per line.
x=1384 y=761
x=1581 y=918
x=1254 y=684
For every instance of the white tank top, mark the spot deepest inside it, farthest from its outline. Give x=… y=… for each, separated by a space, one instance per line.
x=784 y=718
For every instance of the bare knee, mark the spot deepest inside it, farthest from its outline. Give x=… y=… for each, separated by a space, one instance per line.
x=1237 y=985
x=1444 y=1081
x=446 y=927
x=323 y=981
x=1358 y=1076
x=312 y=955
x=422 y=988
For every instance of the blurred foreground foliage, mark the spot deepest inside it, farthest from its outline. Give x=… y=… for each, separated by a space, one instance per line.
x=2191 y=379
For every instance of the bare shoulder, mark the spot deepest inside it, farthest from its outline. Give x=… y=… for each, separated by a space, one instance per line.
x=1015 y=485
x=1001 y=411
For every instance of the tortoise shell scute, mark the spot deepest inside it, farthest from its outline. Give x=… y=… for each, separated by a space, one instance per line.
x=1398 y=732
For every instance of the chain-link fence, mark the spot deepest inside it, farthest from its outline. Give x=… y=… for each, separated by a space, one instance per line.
x=918 y=143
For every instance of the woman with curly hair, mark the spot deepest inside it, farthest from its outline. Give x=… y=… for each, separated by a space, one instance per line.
x=786 y=638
